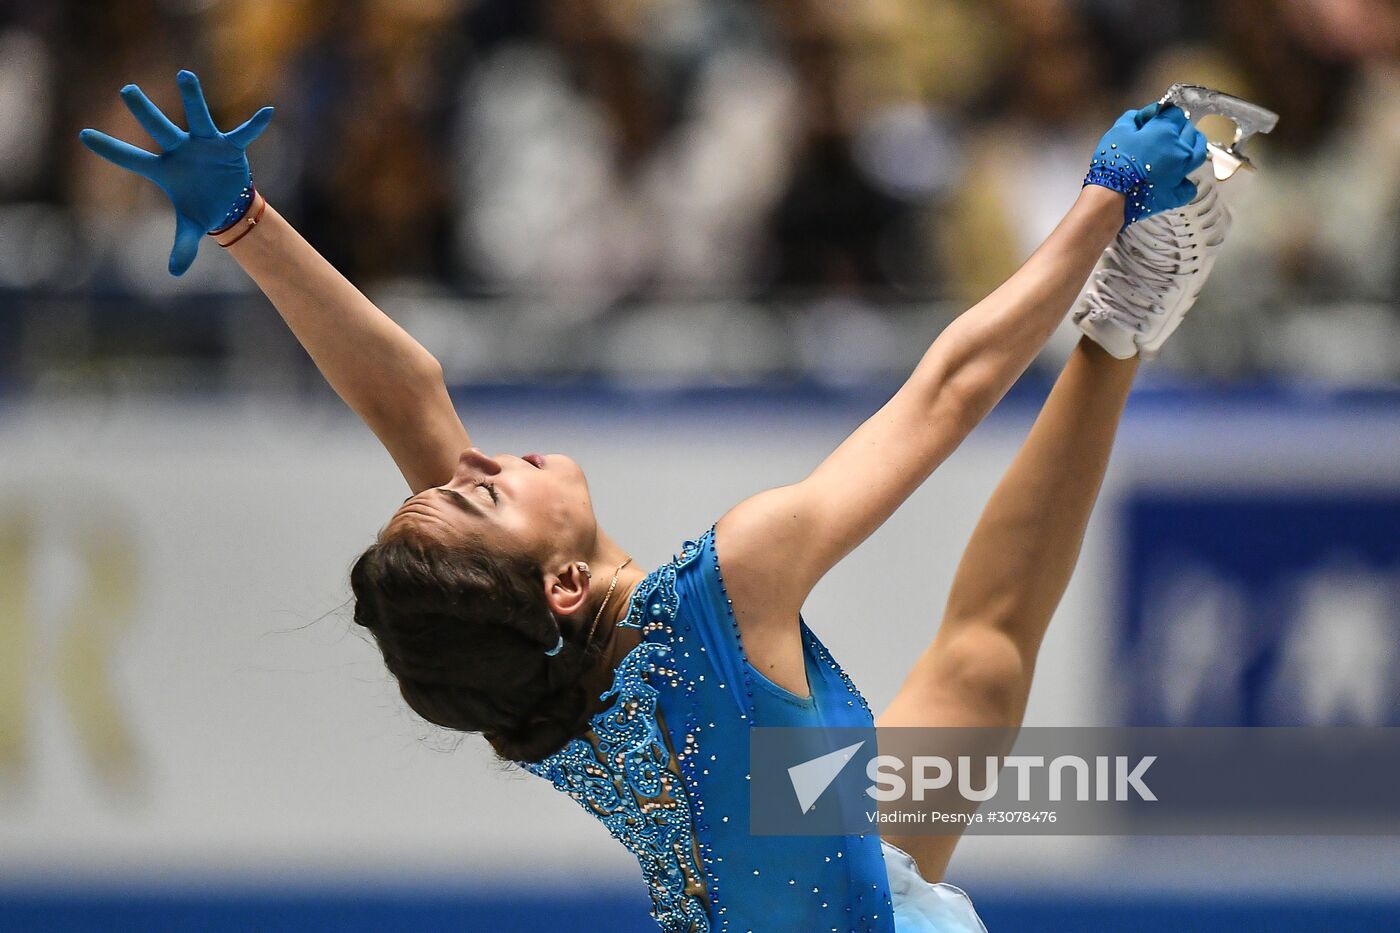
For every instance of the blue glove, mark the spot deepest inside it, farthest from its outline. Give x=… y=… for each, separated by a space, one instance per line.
x=1146 y=156
x=203 y=172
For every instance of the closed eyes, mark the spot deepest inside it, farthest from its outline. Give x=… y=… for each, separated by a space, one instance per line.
x=460 y=499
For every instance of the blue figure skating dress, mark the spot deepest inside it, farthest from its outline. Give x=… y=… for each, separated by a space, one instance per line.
x=664 y=768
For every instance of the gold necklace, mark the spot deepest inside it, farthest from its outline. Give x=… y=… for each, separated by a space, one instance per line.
x=611 y=586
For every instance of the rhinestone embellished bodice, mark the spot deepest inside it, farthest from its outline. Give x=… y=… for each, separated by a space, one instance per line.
x=665 y=769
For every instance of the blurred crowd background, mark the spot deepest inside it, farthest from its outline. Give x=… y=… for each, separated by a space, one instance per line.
x=731 y=190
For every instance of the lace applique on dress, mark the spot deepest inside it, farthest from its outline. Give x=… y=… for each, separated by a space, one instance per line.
x=624 y=772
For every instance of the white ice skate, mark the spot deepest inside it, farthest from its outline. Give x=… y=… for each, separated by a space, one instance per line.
x=1153 y=272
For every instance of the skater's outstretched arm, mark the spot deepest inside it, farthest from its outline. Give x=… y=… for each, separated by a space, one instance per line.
x=1022 y=552
x=779 y=543
x=386 y=376
x=977 y=671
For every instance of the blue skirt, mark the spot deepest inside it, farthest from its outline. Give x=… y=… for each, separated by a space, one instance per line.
x=923 y=907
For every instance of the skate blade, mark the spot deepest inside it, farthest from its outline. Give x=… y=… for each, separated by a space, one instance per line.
x=1249 y=118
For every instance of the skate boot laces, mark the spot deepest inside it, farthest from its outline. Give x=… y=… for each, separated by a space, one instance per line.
x=1143 y=273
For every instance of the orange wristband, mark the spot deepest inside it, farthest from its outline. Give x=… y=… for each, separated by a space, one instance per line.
x=249 y=221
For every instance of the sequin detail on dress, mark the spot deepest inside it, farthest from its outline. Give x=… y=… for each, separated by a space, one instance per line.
x=623 y=772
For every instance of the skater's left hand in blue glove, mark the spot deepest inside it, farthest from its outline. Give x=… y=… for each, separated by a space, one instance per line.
x=204 y=172
x=1146 y=156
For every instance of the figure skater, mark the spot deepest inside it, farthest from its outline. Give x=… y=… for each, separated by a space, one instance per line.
x=502 y=607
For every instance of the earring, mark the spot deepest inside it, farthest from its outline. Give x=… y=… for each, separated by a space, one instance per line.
x=584 y=568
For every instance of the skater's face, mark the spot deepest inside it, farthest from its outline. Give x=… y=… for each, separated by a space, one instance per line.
x=537 y=505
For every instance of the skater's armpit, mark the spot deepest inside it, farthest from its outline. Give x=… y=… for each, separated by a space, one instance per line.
x=789 y=537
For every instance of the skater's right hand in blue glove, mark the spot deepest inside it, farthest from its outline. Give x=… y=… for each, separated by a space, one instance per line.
x=203 y=172
x=1146 y=156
